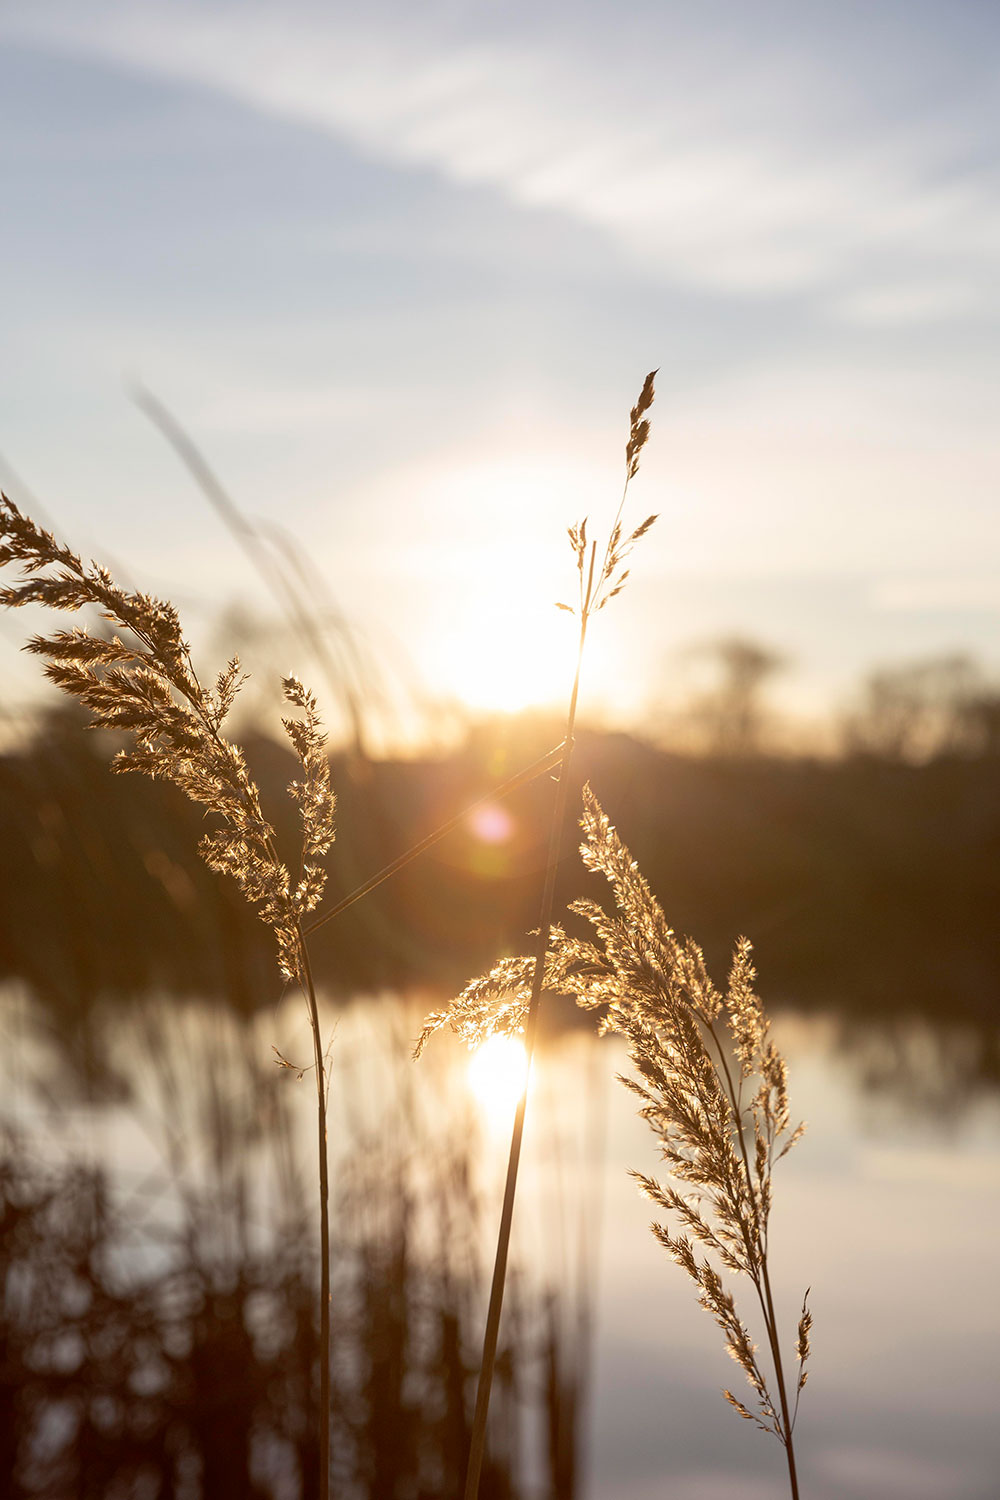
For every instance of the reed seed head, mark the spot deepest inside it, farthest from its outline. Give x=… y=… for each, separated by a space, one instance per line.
x=710 y=1083
x=143 y=681
x=599 y=584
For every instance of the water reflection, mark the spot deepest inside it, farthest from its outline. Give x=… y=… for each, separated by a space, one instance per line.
x=159 y=1264
x=496 y=1074
x=159 y=1259
x=921 y=1068
x=876 y=1209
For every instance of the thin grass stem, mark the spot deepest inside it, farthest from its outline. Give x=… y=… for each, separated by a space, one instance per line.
x=530 y=773
x=596 y=588
x=478 y=1444
x=761 y=1281
x=301 y=620
x=324 y=1226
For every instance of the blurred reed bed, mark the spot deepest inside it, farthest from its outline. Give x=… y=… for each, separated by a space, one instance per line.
x=159 y=1284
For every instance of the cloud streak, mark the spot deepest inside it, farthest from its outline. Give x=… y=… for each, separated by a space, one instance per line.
x=796 y=163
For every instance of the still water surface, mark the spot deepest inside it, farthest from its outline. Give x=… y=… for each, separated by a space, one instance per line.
x=889 y=1209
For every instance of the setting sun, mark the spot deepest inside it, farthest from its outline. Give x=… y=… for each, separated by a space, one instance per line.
x=505 y=647
x=509 y=659
x=497 y=1073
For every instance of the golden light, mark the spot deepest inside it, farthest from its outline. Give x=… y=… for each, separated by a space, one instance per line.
x=511 y=655
x=501 y=645
x=496 y=1075
x=491 y=823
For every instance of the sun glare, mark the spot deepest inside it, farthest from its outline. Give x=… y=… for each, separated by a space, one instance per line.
x=505 y=647
x=497 y=1073
x=509 y=656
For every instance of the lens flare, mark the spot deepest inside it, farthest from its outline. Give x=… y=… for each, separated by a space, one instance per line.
x=491 y=823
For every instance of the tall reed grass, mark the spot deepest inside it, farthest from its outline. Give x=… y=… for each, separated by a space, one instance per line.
x=712 y=1085
x=713 y=1089
x=144 y=682
x=597 y=584
x=710 y=1112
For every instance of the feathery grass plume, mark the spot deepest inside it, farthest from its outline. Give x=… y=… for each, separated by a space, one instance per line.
x=146 y=685
x=712 y=1086
x=597 y=585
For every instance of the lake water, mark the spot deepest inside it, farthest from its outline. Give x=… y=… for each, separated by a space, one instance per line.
x=889 y=1209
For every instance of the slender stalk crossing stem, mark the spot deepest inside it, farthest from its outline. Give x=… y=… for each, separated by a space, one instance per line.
x=537 y=767
x=478 y=1445
x=558 y=755
x=324 y=1228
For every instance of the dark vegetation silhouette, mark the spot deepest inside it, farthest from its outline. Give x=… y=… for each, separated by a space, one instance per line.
x=730 y=718
x=869 y=880
x=935 y=707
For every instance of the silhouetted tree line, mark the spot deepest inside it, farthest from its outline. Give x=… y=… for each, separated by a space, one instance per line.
x=183 y=1365
x=868 y=882
x=914 y=711
x=940 y=706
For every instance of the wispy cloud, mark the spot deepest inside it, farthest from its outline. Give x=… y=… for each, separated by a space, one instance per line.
x=793 y=158
x=894 y=305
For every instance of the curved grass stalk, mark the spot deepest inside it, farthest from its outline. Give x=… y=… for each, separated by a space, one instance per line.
x=275 y=561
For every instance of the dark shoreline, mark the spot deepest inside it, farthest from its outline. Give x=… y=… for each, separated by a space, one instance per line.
x=868 y=887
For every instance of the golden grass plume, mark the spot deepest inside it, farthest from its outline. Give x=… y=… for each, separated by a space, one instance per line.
x=143 y=682
x=711 y=1083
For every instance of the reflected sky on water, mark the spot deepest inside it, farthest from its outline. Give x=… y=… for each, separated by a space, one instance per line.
x=887 y=1209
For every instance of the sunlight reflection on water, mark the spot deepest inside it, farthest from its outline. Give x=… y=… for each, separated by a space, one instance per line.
x=496 y=1075
x=888 y=1211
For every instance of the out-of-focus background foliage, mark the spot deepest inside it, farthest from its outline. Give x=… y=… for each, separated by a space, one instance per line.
x=398 y=273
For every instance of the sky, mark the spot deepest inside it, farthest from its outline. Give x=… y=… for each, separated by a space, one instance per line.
x=400 y=271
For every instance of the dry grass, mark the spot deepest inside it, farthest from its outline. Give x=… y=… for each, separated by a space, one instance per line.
x=143 y=682
x=712 y=1086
